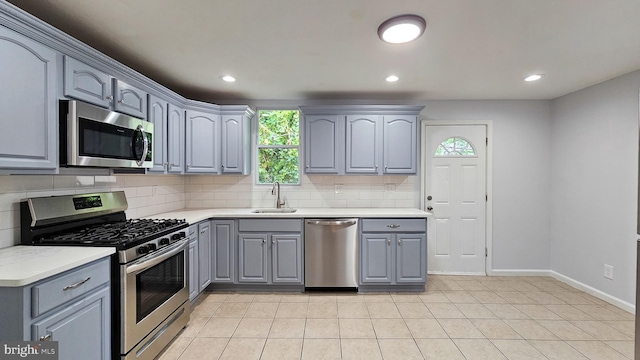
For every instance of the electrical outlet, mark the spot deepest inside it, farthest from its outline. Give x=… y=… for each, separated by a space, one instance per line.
x=339 y=188
x=608 y=271
x=154 y=190
x=389 y=187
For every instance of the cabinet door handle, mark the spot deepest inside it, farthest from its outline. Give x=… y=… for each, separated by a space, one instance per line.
x=45 y=337
x=389 y=242
x=376 y=167
x=73 y=286
x=121 y=101
x=393 y=226
x=273 y=242
x=109 y=97
x=399 y=241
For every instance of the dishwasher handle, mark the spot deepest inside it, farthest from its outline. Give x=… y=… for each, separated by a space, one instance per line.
x=331 y=222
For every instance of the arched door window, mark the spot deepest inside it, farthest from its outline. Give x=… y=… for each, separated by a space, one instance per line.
x=455 y=146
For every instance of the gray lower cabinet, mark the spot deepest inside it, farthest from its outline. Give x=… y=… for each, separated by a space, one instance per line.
x=204 y=255
x=79 y=318
x=85 y=82
x=270 y=251
x=28 y=104
x=252 y=258
x=223 y=252
x=194 y=269
x=393 y=252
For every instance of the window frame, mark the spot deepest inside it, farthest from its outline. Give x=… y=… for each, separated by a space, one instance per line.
x=256 y=144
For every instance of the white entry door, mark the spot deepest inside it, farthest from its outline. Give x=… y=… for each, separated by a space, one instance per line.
x=455 y=192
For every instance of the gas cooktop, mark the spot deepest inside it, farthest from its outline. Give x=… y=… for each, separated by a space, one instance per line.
x=122 y=234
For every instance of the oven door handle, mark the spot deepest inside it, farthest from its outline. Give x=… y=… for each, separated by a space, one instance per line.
x=157 y=258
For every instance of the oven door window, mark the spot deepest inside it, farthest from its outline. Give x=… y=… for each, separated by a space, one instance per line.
x=157 y=284
x=99 y=139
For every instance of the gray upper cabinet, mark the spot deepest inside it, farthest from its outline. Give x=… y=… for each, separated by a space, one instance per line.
x=28 y=104
x=223 y=251
x=87 y=83
x=363 y=144
x=400 y=144
x=168 y=132
x=175 y=140
x=130 y=100
x=219 y=143
x=84 y=82
x=363 y=139
x=236 y=146
x=203 y=142
x=158 y=116
x=324 y=144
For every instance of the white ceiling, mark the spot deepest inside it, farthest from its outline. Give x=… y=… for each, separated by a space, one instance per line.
x=329 y=49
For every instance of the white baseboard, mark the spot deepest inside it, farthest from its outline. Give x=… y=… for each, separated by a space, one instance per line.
x=595 y=292
x=455 y=273
x=569 y=281
x=520 y=272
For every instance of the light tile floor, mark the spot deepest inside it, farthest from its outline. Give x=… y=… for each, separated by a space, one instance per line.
x=457 y=317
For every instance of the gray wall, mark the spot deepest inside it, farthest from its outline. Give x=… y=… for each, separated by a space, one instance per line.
x=594 y=176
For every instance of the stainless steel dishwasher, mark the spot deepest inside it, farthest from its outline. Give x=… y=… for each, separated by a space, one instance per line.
x=331 y=253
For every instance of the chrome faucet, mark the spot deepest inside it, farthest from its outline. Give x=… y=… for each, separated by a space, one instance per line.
x=275 y=190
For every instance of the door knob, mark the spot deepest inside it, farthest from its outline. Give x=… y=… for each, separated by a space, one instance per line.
x=429 y=197
x=429 y=208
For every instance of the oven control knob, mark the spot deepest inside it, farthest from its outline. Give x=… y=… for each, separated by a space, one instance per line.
x=143 y=250
x=164 y=241
x=179 y=235
x=152 y=247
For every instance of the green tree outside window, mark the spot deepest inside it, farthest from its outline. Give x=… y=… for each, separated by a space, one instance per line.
x=278 y=146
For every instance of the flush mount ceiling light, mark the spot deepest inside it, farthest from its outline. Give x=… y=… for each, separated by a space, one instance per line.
x=392 y=78
x=533 y=77
x=402 y=29
x=228 y=78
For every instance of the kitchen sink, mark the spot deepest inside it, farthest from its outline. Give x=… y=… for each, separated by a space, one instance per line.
x=274 y=211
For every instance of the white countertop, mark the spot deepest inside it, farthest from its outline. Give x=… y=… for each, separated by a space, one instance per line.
x=196 y=215
x=23 y=265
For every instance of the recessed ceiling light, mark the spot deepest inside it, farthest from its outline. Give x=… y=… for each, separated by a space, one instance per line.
x=533 y=77
x=402 y=29
x=228 y=78
x=392 y=78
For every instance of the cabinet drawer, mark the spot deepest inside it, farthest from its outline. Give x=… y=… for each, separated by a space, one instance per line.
x=51 y=293
x=193 y=231
x=270 y=225
x=394 y=225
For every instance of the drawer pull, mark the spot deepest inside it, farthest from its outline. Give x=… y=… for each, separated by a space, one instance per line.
x=68 y=287
x=393 y=226
x=45 y=337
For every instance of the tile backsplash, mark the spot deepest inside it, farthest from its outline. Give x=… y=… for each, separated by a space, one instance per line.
x=315 y=191
x=153 y=194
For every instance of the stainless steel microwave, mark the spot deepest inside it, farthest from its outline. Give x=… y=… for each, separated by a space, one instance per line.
x=96 y=137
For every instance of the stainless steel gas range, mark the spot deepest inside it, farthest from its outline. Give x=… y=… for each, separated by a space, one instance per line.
x=150 y=289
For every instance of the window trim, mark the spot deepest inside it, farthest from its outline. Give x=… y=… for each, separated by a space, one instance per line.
x=256 y=146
